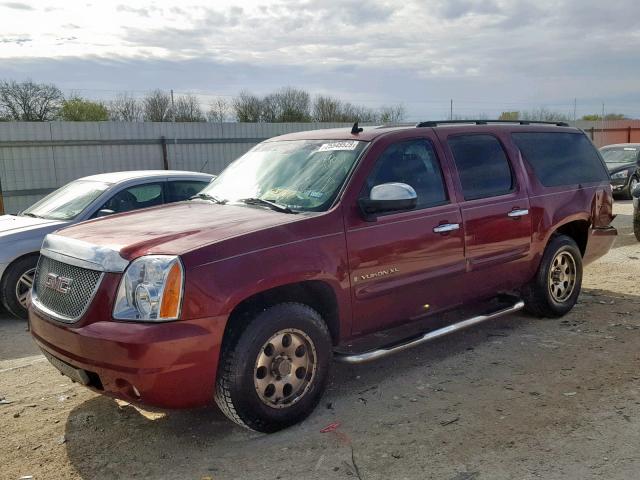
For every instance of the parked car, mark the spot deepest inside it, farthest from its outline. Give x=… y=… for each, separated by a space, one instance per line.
x=623 y=163
x=21 y=235
x=335 y=243
x=636 y=211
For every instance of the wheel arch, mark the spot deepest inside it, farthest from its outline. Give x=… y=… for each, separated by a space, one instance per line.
x=578 y=230
x=317 y=294
x=13 y=262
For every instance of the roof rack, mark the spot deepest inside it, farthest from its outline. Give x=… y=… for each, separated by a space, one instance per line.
x=435 y=123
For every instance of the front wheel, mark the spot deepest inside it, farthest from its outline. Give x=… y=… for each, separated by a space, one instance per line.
x=633 y=183
x=273 y=373
x=556 y=287
x=16 y=285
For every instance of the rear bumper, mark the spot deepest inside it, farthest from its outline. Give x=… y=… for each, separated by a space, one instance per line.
x=168 y=365
x=599 y=243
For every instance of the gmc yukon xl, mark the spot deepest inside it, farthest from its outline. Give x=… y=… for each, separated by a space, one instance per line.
x=345 y=244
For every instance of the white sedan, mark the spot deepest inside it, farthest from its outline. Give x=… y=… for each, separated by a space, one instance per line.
x=96 y=196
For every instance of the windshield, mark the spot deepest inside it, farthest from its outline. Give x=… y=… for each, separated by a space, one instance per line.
x=67 y=202
x=620 y=155
x=303 y=175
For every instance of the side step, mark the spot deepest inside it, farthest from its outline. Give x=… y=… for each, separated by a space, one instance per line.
x=440 y=332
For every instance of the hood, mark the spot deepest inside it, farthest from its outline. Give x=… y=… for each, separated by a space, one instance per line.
x=175 y=229
x=11 y=225
x=618 y=167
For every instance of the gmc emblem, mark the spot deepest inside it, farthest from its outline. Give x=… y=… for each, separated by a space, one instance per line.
x=58 y=283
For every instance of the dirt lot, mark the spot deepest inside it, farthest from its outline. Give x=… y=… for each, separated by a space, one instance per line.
x=514 y=398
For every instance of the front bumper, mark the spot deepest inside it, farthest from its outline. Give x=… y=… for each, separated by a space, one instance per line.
x=168 y=365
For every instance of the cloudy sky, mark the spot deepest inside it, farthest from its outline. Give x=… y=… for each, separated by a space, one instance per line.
x=488 y=56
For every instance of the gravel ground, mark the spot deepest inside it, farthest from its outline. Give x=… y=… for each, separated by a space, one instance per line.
x=513 y=398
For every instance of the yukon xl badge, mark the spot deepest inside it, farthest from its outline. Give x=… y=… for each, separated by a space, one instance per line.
x=381 y=273
x=58 y=283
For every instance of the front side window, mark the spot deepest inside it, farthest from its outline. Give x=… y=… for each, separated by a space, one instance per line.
x=67 y=202
x=134 y=198
x=415 y=163
x=482 y=166
x=303 y=175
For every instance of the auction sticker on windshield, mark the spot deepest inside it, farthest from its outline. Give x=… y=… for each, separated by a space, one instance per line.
x=344 y=145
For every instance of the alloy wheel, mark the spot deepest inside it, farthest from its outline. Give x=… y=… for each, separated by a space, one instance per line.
x=562 y=276
x=285 y=368
x=24 y=285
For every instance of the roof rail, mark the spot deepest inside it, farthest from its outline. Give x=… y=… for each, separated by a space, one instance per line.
x=435 y=123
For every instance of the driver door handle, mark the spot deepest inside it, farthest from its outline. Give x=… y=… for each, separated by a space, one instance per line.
x=518 y=213
x=446 y=227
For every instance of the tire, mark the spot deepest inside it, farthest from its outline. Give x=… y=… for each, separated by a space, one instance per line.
x=633 y=182
x=249 y=368
x=14 y=284
x=555 y=289
x=636 y=223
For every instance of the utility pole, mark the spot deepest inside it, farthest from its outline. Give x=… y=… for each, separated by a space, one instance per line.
x=451 y=110
x=173 y=108
x=575 y=108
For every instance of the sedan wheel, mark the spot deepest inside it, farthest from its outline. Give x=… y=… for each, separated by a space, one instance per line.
x=24 y=285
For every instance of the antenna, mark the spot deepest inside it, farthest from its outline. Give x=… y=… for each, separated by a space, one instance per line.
x=355 y=130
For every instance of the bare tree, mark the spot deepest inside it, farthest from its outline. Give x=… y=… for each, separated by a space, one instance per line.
x=187 y=109
x=218 y=110
x=157 y=107
x=391 y=113
x=327 y=109
x=544 y=115
x=125 y=108
x=270 y=108
x=30 y=102
x=247 y=107
x=293 y=105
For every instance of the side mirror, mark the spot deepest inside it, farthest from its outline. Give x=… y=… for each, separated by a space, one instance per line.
x=388 y=197
x=105 y=212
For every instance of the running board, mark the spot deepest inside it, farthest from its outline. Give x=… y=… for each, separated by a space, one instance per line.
x=440 y=332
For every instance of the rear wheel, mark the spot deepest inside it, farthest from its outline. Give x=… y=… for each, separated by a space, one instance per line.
x=273 y=373
x=16 y=285
x=556 y=287
x=636 y=223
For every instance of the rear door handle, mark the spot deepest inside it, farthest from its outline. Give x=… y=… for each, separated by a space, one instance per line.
x=518 y=213
x=446 y=227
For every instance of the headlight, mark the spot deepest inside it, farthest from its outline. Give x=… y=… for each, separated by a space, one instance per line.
x=622 y=174
x=150 y=290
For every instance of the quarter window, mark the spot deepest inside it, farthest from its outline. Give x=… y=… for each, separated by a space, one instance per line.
x=415 y=163
x=561 y=158
x=482 y=166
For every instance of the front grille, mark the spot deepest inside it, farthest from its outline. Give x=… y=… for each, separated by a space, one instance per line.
x=69 y=302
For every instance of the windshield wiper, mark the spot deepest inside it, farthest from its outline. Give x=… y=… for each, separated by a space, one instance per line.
x=267 y=203
x=206 y=196
x=29 y=214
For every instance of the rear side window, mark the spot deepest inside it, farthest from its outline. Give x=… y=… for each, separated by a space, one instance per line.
x=482 y=166
x=183 y=189
x=561 y=158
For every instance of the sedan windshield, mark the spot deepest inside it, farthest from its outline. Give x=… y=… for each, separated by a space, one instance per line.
x=301 y=175
x=67 y=202
x=620 y=155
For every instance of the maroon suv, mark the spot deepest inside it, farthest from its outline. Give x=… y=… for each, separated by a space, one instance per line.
x=351 y=244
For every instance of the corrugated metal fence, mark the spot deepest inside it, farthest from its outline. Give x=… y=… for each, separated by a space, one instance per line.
x=36 y=158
